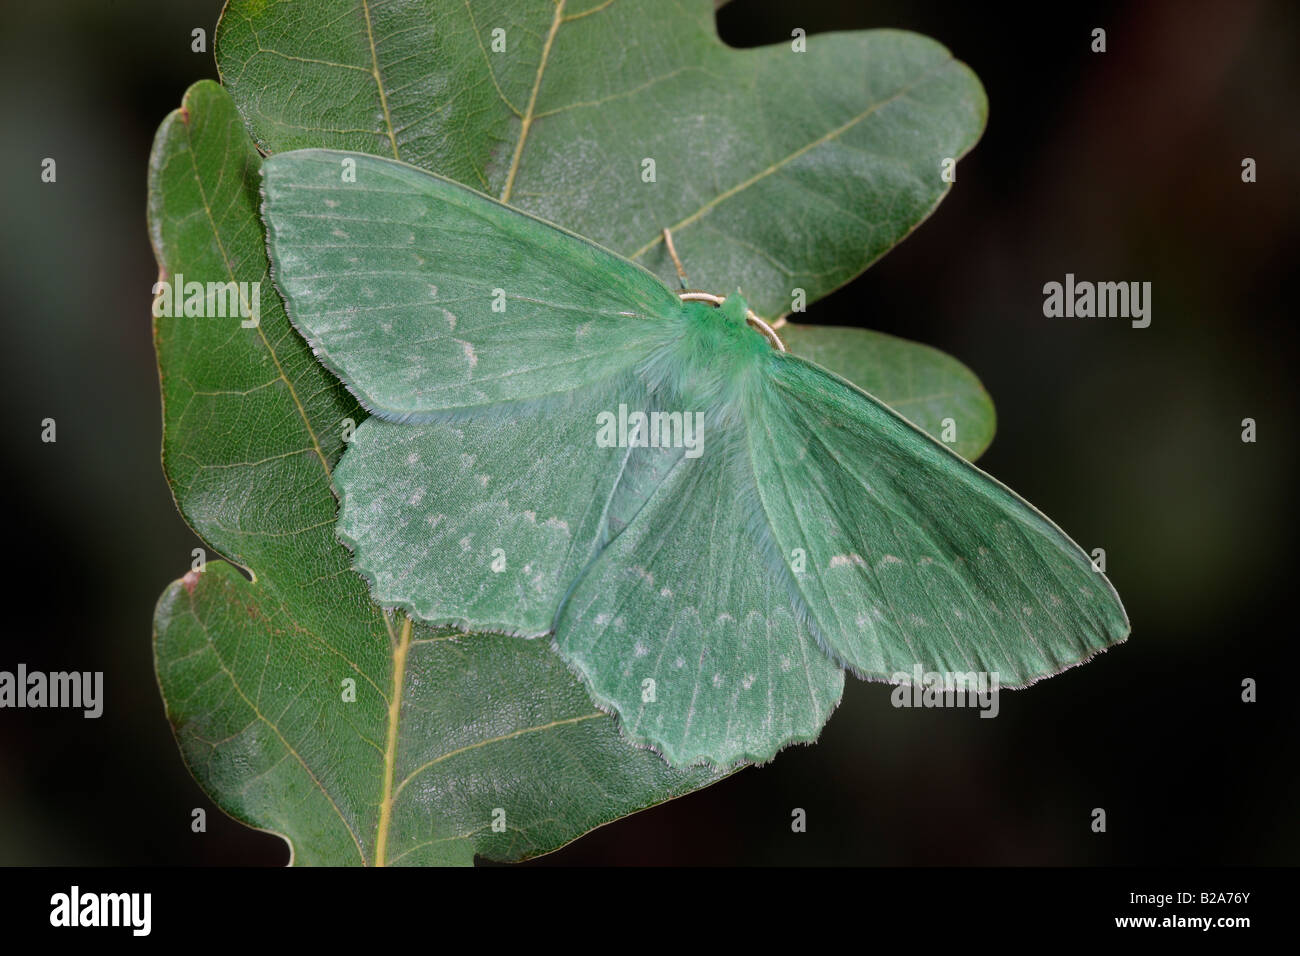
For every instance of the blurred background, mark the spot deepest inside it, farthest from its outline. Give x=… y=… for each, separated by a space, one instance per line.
x=1123 y=166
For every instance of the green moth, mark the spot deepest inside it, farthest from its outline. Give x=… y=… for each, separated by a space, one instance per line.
x=709 y=528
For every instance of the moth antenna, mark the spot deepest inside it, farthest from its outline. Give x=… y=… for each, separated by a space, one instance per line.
x=768 y=331
x=672 y=251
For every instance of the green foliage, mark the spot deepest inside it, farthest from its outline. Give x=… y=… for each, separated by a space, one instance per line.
x=754 y=142
x=445 y=728
x=775 y=170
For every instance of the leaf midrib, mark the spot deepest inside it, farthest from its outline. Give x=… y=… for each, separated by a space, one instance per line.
x=529 y=112
x=390 y=746
x=374 y=69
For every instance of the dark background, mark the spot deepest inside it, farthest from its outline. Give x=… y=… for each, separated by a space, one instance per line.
x=1115 y=166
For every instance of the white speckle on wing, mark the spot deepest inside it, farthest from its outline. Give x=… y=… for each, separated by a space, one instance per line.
x=331 y=204
x=433 y=521
x=840 y=560
x=717 y=680
x=602 y=619
x=665 y=592
x=416 y=497
x=748 y=681
x=639 y=650
x=470 y=356
x=465 y=543
x=887 y=560
x=338 y=234
x=679 y=663
x=413 y=458
x=483 y=480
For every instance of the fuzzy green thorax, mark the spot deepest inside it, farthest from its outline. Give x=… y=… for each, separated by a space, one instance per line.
x=733 y=309
x=712 y=358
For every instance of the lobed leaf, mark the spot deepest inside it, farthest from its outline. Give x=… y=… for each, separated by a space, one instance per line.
x=449 y=732
x=772 y=179
x=776 y=170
